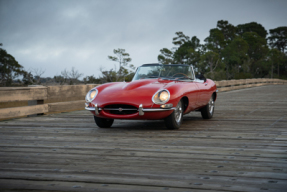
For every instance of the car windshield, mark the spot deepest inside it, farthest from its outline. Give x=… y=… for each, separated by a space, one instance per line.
x=172 y=72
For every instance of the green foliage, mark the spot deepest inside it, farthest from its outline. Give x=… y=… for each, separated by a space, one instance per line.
x=187 y=51
x=232 y=52
x=125 y=69
x=234 y=55
x=208 y=63
x=257 y=45
x=278 y=38
x=275 y=59
x=166 y=56
x=92 y=80
x=27 y=78
x=227 y=29
x=215 y=41
x=252 y=27
x=180 y=39
x=10 y=69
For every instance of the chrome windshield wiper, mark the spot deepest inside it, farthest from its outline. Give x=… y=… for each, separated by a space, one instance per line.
x=181 y=78
x=151 y=77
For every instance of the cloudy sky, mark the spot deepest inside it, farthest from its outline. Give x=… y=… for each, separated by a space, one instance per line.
x=55 y=35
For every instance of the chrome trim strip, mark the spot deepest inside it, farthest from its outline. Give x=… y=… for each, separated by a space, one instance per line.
x=140 y=110
x=158 y=109
x=193 y=72
x=92 y=108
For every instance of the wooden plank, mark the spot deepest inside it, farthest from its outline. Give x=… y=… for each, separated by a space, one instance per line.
x=66 y=106
x=14 y=112
x=10 y=94
x=242 y=148
x=68 y=92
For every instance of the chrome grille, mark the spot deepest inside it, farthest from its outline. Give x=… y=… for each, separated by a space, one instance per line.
x=120 y=109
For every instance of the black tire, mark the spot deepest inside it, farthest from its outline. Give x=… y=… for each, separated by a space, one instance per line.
x=103 y=123
x=208 y=110
x=173 y=121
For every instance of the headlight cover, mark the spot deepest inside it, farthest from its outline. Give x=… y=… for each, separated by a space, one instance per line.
x=161 y=97
x=91 y=95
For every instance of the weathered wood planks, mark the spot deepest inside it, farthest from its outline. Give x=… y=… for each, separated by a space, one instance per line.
x=11 y=94
x=243 y=148
x=6 y=113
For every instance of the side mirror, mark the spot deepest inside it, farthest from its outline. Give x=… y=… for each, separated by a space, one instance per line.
x=201 y=77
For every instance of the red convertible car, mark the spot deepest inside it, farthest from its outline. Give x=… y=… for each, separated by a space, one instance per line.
x=157 y=91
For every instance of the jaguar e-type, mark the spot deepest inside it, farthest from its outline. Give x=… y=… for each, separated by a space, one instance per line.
x=157 y=91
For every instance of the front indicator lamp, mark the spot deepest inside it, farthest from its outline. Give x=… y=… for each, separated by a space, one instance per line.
x=166 y=106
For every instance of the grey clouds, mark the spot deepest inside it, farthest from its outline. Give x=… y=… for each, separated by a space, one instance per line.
x=58 y=34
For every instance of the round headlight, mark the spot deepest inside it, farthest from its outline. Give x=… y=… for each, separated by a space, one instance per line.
x=91 y=95
x=161 y=97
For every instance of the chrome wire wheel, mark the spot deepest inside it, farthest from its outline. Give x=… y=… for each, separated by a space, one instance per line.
x=211 y=105
x=178 y=113
x=208 y=110
x=173 y=121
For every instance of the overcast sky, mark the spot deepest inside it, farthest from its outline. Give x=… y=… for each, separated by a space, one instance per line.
x=55 y=35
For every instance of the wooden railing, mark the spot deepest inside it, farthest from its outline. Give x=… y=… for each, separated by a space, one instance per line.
x=41 y=99
x=25 y=101
x=229 y=85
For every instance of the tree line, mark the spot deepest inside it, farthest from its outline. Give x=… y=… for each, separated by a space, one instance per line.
x=229 y=52
x=232 y=52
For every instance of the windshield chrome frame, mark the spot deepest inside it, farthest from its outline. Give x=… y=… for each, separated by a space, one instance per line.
x=157 y=64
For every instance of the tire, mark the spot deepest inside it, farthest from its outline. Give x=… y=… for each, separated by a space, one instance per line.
x=173 y=121
x=208 y=110
x=103 y=123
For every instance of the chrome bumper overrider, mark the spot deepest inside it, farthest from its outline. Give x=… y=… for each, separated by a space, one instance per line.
x=141 y=110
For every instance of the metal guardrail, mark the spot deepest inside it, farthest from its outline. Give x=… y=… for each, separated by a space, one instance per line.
x=55 y=99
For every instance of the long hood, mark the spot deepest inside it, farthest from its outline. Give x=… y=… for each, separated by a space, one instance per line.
x=134 y=93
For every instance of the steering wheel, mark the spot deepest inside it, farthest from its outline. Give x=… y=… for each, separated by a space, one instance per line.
x=181 y=74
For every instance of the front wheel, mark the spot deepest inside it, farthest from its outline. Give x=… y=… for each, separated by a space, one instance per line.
x=208 y=110
x=103 y=123
x=173 y=121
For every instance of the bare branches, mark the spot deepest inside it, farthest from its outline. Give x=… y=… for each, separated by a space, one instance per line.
x=70 y=77
x=38 y=72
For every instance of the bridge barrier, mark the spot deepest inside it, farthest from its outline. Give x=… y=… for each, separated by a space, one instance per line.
x=229 y=85
x=26 y=101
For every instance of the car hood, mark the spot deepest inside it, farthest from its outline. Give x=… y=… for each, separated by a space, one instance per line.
x=133 y=93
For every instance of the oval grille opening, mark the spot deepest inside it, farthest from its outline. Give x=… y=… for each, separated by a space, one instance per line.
x=120 y=109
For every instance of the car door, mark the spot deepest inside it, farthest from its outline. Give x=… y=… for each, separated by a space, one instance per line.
x=203 y=93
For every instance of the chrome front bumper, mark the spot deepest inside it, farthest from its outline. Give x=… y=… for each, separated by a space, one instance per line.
x=141 y=110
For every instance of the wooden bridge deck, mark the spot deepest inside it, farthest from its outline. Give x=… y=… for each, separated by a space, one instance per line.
x=243 y=148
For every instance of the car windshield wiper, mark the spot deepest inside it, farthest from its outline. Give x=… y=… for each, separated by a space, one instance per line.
x=179 y=78
x=175 y=78
x=151 y=77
